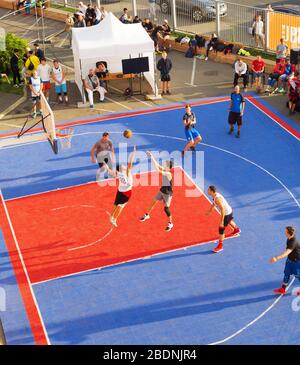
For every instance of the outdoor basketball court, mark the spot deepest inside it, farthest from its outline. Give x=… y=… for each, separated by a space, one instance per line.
x=70 y=278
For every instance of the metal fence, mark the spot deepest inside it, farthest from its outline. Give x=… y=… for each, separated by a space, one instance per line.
x=230 y=21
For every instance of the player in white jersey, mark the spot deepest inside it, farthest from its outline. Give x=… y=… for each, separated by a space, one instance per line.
x=221 y=204
x=123 y=173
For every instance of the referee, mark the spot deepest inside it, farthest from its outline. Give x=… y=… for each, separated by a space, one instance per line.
x=292 y=265
x=236 y=111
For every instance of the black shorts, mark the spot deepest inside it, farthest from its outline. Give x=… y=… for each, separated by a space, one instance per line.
x=235 y=118
x=102 y=163
x=122 y=198
x=36 y=99
x=227 y=219
x=165 y=77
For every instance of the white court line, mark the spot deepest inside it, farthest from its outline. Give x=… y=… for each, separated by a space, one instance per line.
x=10 y=125
x=95 y=242
x=73 y=206
x=118 y=103
x=129 y=261
x=76 y=186
x=182 y=139
x=274 y=120
x=254 y=321
x=24 y=268
x=133 y=97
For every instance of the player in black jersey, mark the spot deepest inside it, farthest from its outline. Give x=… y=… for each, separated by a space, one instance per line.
x=166 y=191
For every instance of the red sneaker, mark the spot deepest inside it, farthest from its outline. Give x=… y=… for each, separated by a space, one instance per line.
x=298 y=292
x=280 y=291
x=236 y=231
x=219 y=248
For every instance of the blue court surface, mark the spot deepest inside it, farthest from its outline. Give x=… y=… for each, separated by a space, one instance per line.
x=189 y=296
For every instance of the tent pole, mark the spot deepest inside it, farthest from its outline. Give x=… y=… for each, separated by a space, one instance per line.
x=82 y=87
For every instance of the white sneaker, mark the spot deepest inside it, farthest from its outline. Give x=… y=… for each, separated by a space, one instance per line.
x=169 y=227
x=145 y=217
x=113 y=222
x=206 y=58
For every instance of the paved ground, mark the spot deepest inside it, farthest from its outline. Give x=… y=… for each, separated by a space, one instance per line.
x=212 y=79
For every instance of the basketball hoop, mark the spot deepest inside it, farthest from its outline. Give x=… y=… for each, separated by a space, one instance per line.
x=64 y=135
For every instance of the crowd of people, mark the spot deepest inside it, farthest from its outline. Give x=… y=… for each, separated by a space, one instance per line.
x=284 y=79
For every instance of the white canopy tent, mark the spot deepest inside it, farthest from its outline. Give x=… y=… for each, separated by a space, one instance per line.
x=111 y=41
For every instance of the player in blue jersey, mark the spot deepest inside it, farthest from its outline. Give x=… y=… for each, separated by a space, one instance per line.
x=236 y=111
x=192 y=135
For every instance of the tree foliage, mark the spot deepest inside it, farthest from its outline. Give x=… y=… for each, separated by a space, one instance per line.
x=11 y=42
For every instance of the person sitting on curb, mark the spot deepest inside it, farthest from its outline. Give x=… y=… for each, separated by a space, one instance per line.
x=241 y=71
x=91 y=84
x=274 y=76
x=288 y=72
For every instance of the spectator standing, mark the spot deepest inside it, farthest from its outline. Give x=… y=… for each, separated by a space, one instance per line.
x=58 y=75
x=27 y=6
x=69 y=23
x=281 y=50
x=38 y=52
x=31 y=63
x=241 y=71
x=152 y=9
x=81 y=7
x=91 y=84
x=44 y=71
x=164 y=65
x=155 y=37
x=35 y=86
x=14 y=64
x=258 y=68
x=274 y=76
x=258 y=31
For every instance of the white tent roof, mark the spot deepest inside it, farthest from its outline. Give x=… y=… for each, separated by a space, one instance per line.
x=111 y=37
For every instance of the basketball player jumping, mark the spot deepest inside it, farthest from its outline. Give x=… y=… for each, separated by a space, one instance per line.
x=220 y=203
x=124 y=175
x=165 y=193
x=192 y=135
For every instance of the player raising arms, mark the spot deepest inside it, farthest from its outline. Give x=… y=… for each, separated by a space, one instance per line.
x=165 y=193
x=123 y=173
x=192 y=135
x=220 y=203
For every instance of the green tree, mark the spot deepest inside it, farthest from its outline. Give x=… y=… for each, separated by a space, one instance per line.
x=11 y=42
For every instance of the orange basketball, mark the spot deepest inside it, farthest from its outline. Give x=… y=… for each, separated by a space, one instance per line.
x=127 y=133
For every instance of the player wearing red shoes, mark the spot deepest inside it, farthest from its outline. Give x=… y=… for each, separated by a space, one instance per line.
x=292 y=265
x=124 y=175
x=220 y=203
